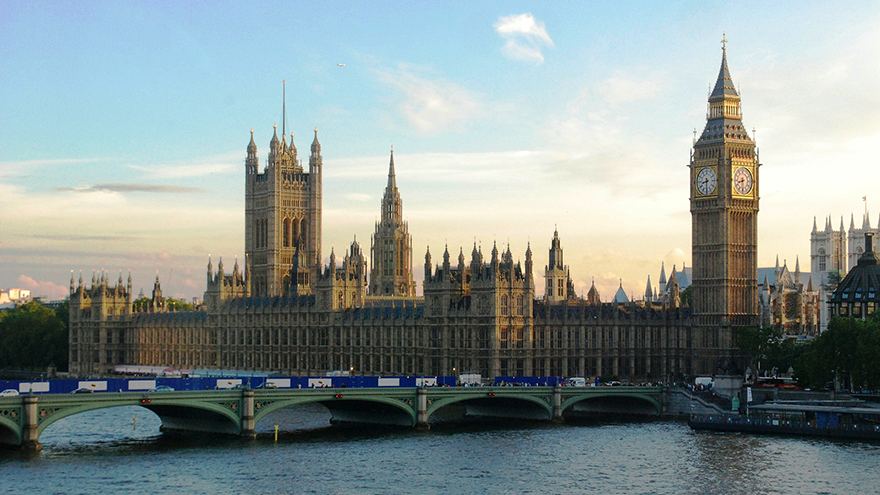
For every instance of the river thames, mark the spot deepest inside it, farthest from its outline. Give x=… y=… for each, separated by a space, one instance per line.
x=122 y=451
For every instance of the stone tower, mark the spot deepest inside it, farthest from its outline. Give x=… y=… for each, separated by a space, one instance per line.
x=282 y=219
x=724 y=212
x=391 y=272
x=557 y=277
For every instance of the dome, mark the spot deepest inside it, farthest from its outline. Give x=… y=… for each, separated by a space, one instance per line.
x=859 y=292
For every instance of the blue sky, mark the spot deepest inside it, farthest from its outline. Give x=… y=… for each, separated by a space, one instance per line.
x=123 y=126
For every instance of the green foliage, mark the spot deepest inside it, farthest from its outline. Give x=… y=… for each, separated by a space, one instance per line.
x=145 y=303
x=687 y=296
x=141 y=304
x=848 y=351
x=33 y=337
x=177 y=304
x=757 y=344
x=834 y=278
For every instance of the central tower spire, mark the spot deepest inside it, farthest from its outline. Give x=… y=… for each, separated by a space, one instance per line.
x=391 y=272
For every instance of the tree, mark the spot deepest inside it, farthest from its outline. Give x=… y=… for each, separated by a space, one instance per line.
x=32 y=337
x=847 y=352
x=172 y=304
x=757 y=343
x=687 y=296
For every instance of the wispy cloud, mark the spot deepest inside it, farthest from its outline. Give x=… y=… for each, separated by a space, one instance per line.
x=123 y=188
x=431 y=105
x=626 y=88
x=224 y=165
x=525 y=37
x=43 y=288
x=25 y=168
x=359 y=197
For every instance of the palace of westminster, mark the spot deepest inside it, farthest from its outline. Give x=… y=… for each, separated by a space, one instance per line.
x=282 y=311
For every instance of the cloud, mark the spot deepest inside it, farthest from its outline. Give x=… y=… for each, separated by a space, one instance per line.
x=431 y=105
x=359 y=197
x=622 y=88
x=189 y=170
x=43 y=288
x=77 y=237
x=25 y=168
x=525 y=37
x=121 y=188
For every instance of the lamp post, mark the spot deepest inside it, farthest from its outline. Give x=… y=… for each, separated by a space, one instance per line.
x=454 y=377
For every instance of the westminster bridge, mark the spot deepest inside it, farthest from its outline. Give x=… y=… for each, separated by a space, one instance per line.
x=237 y=411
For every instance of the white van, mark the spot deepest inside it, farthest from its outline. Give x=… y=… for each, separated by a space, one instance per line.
x=577 y=381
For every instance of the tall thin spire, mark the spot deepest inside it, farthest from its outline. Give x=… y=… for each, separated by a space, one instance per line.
x=392 y=177
x=283 y=107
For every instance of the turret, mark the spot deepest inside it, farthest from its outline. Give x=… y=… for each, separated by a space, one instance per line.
x=274 y=146
x=252 y=161
x=427 y=263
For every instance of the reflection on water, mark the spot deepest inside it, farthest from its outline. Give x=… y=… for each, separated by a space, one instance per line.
x=122 y=451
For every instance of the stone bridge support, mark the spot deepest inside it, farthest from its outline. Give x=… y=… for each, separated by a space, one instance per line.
x=248 y=423
x=422 y=408
x=557 y=405
x=30 y=439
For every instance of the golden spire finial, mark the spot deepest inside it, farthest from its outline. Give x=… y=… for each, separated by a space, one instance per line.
x=723 y=40
x=392 y=148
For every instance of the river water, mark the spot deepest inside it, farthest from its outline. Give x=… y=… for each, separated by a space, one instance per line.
x=122 y=451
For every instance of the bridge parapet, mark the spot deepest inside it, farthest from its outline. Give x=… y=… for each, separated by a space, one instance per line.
x=23 y=418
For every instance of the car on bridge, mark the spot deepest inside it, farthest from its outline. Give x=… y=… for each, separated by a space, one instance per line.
x=83 y=390
x=267 y=385
x=9 y=392
x=162 y=388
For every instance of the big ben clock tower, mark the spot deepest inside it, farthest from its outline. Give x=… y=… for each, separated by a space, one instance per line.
x=724 y=212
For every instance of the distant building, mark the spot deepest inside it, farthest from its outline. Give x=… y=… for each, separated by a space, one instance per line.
x=858 y=294
x=788 y=300
x=11 y=297
x=833 y=252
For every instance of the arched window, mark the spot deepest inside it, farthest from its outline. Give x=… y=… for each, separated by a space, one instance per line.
x=504 y=306
x=822 y=258
x=286 y=232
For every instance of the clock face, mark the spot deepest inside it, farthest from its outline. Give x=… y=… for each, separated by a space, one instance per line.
x=706 y=181
x=742 y=180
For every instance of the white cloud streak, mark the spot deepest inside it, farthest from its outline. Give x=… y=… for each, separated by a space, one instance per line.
x=525 y=38
x=431 y=106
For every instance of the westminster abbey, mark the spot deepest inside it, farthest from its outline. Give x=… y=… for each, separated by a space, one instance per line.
x=281 y=310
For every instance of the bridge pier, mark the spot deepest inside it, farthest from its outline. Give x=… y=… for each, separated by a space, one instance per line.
x=422 y=408
x=248 y=424
x=30 y=437
x=557 y=405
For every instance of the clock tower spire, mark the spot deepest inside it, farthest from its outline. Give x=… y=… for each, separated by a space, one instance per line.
x=724 y=213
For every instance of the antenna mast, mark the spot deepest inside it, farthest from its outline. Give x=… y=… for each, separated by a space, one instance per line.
x=284 y=107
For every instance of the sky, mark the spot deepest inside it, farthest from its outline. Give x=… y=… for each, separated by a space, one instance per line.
x=124 y=126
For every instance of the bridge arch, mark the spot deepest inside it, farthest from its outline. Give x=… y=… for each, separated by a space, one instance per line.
x=497 y=397
x=10 y=430
x=347 y=407
x=163 y=408
x=614 y=401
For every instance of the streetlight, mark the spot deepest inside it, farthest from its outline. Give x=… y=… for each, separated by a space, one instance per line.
x=454 y=377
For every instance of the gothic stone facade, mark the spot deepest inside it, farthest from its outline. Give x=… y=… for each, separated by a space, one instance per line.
x=282 y=312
